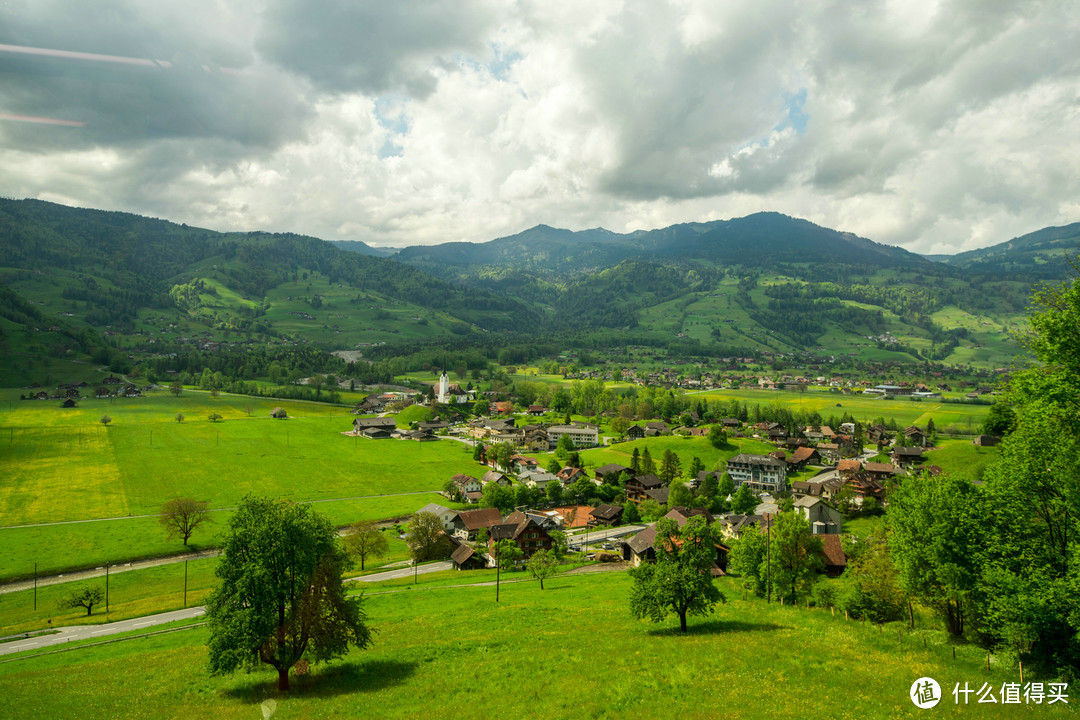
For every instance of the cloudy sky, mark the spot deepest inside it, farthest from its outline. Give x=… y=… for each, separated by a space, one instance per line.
x=938 y=126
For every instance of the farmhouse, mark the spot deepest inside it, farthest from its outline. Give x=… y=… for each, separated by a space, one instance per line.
x=528 y=534
x=637 y=486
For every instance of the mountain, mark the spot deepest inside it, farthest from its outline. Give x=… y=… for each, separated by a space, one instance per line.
x=362 y=248
x=1037 y=254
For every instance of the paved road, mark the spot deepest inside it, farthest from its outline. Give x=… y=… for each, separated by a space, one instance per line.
x=405 y=572
x=72 y=633
x=599 y=536
x=100 y=571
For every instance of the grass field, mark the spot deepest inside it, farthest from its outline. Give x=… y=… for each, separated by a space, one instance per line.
x=960 y=456
x=571 y=650
x=961 y=416
x=66 y=466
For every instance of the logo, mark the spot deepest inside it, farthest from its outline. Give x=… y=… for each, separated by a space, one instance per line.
x=925 y=693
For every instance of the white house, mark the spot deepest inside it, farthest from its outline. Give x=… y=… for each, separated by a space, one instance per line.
x=580 y=436
x=761 y=472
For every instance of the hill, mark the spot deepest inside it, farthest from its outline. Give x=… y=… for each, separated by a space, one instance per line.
x=1037 y=255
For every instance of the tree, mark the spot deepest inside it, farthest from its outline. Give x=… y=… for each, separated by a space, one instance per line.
x=365 y=540
x=503 y=453
x=696 y=467
x=280 y=596
x=182 y=516
x=796 y=555
x=481 y=406
x=936 y=533
x=679 y=495
x=478 y=453
x=717 y=437
x=871 y=587
x=554 y=466
x=482 y=536
x=559 y=544
x=505 y=552
x=554 y=492
x=497 y=496
x=105 y=420
x=630 y=513
x=635 y=462
x=179 y=417
x=999 y=421
x=743 y=502
x=176 y=387
x=669 y=467
x=564 y=447
x=748 y=560
x=542 y=564
x=426 y=538
x=680 y=580
x=214 y=417
x=85 y=597
x=647 y=464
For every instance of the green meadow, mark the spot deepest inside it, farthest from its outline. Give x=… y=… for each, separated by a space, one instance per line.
x=64 y=465
x=570 y=650
x=962 y=416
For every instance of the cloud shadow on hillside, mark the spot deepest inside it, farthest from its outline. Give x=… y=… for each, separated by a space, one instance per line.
x=715 y=627
x=338 y=679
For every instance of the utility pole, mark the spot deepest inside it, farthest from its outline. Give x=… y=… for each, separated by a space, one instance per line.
x=35 y=586
x=106 y=588
x=185 y=583
x=768 y=559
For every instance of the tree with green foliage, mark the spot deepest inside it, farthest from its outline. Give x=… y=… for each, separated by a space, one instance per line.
x=554 y=466
x=213 y=417
x=497 y=496
x=999 y=421
x=870 y=585
x=506 y=553
x=630 y=513
x=648 y=467
x=543 y=564
x=481 y=406
x=482 y=537
x=564 y=447
x=936 y=529
x=179 y=417
x=280 y=596
x=796 y=555
x=744 y=501
x=85 y=597
x=680 y=495
x=696 y=467
x=651 y=510
x=635 y=462
x=503 y=452
x=559 y=543
x=478 y=453
x=680 y=581
x=669 y=467
x=554 y=492
x=365 y=540
x=105 y=420
x=176 y=387
x=717 y=437
x=182 y=516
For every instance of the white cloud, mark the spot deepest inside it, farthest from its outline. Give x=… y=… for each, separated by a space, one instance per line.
x=941 y=125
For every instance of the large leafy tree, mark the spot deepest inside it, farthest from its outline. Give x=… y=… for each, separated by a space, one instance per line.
x=796 y=555
x=1030 y=576
x=743 y=501
x=680 y=580
x=365 y=540
x=936 y=529
x=280 y=596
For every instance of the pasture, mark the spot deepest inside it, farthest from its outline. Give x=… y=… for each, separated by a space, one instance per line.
x=586 y=657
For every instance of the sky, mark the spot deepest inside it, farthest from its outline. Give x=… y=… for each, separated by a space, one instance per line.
x=938 y=126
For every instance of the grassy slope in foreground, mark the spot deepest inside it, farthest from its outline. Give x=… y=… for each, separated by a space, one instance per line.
x=571 y=650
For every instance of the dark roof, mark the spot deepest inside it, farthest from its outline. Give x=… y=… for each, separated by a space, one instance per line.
x=648 y=480
x=645 y=539
x=659 y=494
x=610 y=468
x=747 y=458
x=607 y=512
x=463 y=479
x=833 y=551
x=908 y=451
x=801 y=454
x=383 y=422
x=462 y=554
x=505 y=531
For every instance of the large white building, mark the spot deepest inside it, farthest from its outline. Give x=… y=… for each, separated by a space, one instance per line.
x=580 y=436
x=761 y=472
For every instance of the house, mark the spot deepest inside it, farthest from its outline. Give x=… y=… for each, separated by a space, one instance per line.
x=606 y=515
x=732 y=526
x=68 y=403
x=801 y=457
x=702 y=476
x=878 y=434
x=803 y=488
x=761 y=472
x=635 y=432
x=865 y=485
x=467 y=523
x=906 y=457
x=823 y=517
x=521 y=464
x=446 y=515
x=658 y=495
x=580 y=436
x=835 y=559
x=536 y=410
x=656 y=427
x=466 y=558
x=829 y=453
x=494 y=476
x=529 y=535
x=374 y=427
x=915 y=437
x=610 y=469
x=641 y=547
x=986 y=440
x=636 y=486
x=847 y=467
x=279 y=413
x=538 y=479
x=468 y=488
x=880 y=471
x=570 y=475
x=371 y=404
x=731 y=423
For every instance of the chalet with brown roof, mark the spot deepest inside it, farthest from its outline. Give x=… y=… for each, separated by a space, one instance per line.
x=469 y=522
x=641 y=547
x=829 y=453
x=536 y=410
x=835 y=559
x=880 y=471
x=528 y=534
x=609 y=469
x=466 y=558
x=570 y=475
x=69 y=403
x=802 y=457
x=374 y=427
x=639 y=484
x=606 y=515
x=494 y=476
x=803 y=488
x=635 y=432
x=906 y=457
x=847 y=467
x=865 y=485
x=915 y=437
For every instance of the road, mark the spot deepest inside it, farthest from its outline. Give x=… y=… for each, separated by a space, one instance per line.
x=597 y=536
x=405 y=572
x=72 y=633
